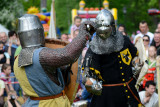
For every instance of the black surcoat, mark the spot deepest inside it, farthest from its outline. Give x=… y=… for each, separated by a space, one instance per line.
x=115 y=68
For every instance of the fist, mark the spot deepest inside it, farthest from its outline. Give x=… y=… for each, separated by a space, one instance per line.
x=89 y=26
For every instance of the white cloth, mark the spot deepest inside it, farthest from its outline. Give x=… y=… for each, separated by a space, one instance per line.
x=52 y=29
x=153 y=102
x=142 y=56
x=146 y=53
x=151 y=35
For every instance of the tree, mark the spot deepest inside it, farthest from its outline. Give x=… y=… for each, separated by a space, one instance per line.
x=10 y=11
x=137 y=10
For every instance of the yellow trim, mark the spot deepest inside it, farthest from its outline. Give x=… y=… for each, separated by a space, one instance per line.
x=126 y=91
x=97 y=73
x=128 y=96
x=137 y=53
x=23 y=80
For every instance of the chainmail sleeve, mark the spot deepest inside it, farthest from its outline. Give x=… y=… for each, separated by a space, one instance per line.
x=63 y=56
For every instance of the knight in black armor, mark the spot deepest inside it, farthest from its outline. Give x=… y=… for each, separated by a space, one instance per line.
x=108 y=66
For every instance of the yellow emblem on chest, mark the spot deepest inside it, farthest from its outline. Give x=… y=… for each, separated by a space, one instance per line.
x=126 y=56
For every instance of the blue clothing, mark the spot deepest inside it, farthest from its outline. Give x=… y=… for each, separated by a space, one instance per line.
x=35 y=82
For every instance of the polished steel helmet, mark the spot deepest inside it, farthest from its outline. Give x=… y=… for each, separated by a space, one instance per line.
x=105 y=24
x=30 y=31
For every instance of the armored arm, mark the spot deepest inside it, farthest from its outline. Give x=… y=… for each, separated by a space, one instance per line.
x=91 y=76
x=68 y=54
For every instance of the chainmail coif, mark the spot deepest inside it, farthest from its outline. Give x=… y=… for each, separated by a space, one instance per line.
x=113 y=43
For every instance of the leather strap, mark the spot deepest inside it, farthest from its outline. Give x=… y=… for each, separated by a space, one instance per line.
x=49 y=97
x=127 y=84
x=120 y=84
x=133 y=94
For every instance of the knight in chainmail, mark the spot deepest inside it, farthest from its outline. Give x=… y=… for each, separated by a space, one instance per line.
x=36 y=66
x=108 y=66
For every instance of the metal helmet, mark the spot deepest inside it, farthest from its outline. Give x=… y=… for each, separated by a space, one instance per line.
x=105 y=24
x=30 y=31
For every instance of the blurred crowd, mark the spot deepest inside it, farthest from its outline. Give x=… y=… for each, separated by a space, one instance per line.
x=11 y=94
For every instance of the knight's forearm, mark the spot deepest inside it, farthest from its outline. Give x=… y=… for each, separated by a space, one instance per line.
x=68 y=54
x=63 y=56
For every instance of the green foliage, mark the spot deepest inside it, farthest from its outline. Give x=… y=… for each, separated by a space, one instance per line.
x=63 y=13
x=137 y=10
x=28 y=3
x=10 y=10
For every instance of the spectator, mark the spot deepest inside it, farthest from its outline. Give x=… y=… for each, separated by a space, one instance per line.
x=12 y=100
x=77 y=23
x=148 y=97
x=146 y=41
x=64 y=37
x=156 y=42
x=132 y=36
x=13 y=38
x=3 y=37
x=2 y=87
x=11 y=46
x=5 y=76
x=75 y=33
x=122 y=29
x=151 y=74
x=69 y=38
x=4 y=56
x=143 y=26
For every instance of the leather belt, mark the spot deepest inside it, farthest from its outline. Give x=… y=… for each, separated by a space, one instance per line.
x=120 y=84
x=49 y=97
x=127 y=84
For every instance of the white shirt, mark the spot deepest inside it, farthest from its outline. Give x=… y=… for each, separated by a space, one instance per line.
x=151 y=36
x=153 y=102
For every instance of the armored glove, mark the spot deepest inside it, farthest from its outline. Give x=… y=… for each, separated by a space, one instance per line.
x=93 y=86
x=137 y=67
x=87 y=29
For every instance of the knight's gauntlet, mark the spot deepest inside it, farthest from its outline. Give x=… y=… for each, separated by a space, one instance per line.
x=137 y=65
x=93 y=86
